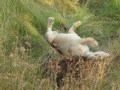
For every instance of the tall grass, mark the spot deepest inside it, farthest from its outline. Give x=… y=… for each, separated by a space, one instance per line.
x=23 y=49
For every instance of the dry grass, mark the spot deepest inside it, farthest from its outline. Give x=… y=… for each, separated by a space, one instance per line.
x=76 y=74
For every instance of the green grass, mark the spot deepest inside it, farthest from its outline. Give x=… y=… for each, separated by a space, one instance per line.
x=23 y=49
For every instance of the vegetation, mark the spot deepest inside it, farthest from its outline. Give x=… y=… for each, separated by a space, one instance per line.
x=23 y=49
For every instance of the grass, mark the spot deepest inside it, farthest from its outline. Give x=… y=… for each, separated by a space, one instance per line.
x=77 y=74
x=23 y=49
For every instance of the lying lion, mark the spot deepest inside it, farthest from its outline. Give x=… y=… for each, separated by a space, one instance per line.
x=70 y=44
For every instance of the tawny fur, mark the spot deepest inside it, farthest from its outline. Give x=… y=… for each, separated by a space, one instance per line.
x=98 y=54
x=50 y=35
x=69 y=44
